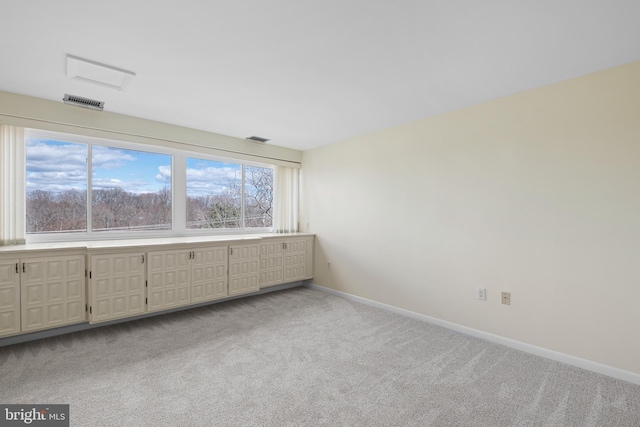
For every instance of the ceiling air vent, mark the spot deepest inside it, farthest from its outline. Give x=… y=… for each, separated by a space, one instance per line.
x=83 y=102
x=95 y=72
x=257 y=139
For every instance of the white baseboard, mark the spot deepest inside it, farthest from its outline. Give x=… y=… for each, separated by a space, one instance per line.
x=518 y=345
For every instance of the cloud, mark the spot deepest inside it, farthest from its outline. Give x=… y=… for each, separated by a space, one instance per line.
x=164 y=174
x=130 y=186
x=59 y=166
x=109 y=158
x=56 y=166
x=212 y=180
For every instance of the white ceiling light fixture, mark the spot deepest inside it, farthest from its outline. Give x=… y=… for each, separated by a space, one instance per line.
x=95 y=72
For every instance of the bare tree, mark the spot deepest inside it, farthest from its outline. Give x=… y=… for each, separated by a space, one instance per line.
x=115 y=208
x=73 y=210
x=258 y=197
x=41 y=211
x=214 y=211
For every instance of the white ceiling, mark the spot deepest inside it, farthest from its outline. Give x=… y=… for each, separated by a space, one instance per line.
x=307 y=73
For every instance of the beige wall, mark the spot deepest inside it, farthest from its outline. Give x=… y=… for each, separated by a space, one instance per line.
x=537 y=194
x=27 y=111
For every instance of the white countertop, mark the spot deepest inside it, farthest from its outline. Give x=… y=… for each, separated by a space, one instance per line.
x=159 y=241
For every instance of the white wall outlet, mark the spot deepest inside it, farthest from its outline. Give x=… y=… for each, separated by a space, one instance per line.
x=328 y=265
x=481 y=294
x=506 y=298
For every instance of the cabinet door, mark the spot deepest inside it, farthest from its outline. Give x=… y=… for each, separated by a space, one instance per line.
x=308 y=269
x=168 y=276
x=244 y=271
x=9 y=297
x=209 y=274
x=52 y=292
x=271 y=272
x=295 y=260
x=116 y=286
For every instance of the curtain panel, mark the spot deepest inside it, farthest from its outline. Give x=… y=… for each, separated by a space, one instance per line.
x=285 y=199
x=12 y=185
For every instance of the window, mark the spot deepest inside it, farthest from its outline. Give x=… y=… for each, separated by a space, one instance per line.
x=258 y=196
x=56 y=186
x=130 y=190
x=213 y=194
x=133 y=190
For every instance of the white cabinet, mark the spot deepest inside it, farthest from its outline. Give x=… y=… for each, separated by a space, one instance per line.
x=41 y=289
x=296 y=256
x=169 y=279
x=52 y=292
x=187 y=276
x=9 y=297
x=244 y=269
x=209 y=274
x=116 y=286
x=285 y=260
x=271 y=271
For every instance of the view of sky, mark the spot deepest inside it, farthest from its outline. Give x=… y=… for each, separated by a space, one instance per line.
x=55 y=166
x=58 y=166
x=133 y=171
x=207 y=177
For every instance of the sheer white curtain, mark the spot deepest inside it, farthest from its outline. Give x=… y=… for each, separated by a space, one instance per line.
x=285 y=200
x=12 y=185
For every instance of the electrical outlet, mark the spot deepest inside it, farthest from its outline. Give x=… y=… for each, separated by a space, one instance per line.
x=481 y=294
x=506 y=298
x=328 y=265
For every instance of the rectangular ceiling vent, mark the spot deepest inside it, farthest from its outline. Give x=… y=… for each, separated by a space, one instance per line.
x=83 y=102
x=95 y=72
x=257 y=139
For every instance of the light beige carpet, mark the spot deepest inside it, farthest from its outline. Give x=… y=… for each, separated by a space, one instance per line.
x=302 y=357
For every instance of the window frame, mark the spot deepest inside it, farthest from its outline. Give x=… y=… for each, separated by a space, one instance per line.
x=178 y=191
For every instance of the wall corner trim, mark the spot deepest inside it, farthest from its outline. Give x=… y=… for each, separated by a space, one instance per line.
x=588 y=365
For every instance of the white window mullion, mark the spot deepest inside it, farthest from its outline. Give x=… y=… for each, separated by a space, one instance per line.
x=89 y=188
x=179 y=193
x=242 y=211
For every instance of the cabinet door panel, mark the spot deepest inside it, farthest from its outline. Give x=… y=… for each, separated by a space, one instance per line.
x=75 y=289
x=33 y=295
x=170 y=297
x=33 y=318
x=116 y=286
x=234 y=268
x=244 y=269
x=55 y=314
x=76 y=310
x=53 y=292
x=120 y=306
x=271 y=263
x=136 y=303
x=9 y=297
x=169 y=279
x=295 y=260
x=101 y=309
x=8 y=323
x=209 y=274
